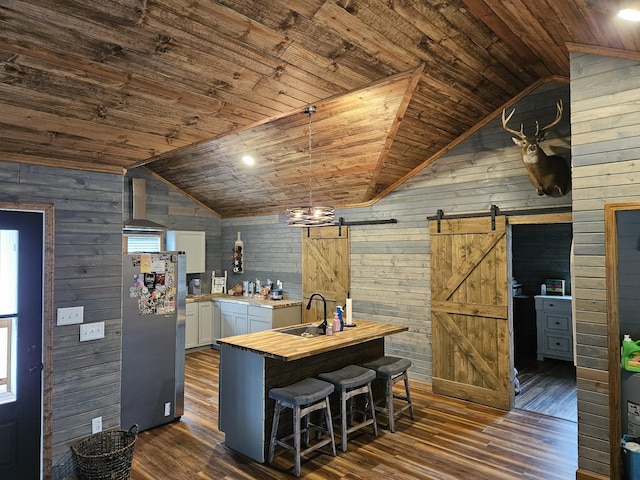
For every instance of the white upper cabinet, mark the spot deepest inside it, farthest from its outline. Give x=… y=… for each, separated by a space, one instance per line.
x=193 y=244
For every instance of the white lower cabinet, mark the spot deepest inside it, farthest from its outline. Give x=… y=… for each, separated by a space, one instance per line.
x=240 y=318
x=217 y=321
x=234 y=318
x=259 y=318
x=191 y=326
x=205 y=323
x=199 y=325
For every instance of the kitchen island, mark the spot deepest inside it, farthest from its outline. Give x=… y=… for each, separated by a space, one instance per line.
x=252 y=364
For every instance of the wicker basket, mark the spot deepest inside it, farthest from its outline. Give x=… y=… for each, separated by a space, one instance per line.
x=105 y=455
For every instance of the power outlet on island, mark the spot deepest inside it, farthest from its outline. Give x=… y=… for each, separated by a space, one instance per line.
x=96 y=425
x=167 y=409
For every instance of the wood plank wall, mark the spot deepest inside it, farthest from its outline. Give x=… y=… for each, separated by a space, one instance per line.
x=168 y=207
x=605 y=103
x=272 y=250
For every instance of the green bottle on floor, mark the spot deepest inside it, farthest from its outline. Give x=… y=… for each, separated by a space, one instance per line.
x=630 y=354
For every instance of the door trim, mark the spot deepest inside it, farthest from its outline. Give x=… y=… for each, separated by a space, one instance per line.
x=48 y=322
x=613 y=329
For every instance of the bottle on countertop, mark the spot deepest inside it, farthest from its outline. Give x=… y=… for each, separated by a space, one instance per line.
x=329 y=330
x=340 y=319
x=336 y=322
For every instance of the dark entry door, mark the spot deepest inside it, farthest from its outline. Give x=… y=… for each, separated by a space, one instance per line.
x=21 y=307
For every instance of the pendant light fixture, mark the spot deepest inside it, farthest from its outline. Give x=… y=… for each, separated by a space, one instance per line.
x=310 y=215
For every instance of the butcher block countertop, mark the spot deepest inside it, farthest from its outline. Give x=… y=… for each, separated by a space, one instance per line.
x=221 y=297
x=285 y=347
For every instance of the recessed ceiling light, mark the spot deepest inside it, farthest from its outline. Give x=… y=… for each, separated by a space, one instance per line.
x=248 y=159
x=630 y=14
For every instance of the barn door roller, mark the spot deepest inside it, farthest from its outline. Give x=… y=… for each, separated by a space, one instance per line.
x=494 y=211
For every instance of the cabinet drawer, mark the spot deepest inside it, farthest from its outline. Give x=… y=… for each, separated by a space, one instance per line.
x=260 y=313
x=557 y=323
x=556 y=305
x=558 y=344
x=233 y=307
x=192 y=308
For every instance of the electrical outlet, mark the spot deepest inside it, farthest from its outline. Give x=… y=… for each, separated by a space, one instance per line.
x=167 y=409
x=91 y=331
x=96 y=425
x=70 y=315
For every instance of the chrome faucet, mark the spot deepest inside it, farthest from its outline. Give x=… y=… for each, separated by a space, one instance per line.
x=323 y=325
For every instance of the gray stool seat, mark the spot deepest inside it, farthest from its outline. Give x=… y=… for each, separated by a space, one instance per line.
x=392 y=370
x=389 y=366
x=351 y=381
x=304 y=392
x=303 y=397
x=351 y=376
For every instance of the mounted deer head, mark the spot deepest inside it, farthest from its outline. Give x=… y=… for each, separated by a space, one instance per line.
x=550 y=175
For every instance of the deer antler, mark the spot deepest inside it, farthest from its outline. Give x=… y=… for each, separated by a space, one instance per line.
x=555 y=122
x=510 y=130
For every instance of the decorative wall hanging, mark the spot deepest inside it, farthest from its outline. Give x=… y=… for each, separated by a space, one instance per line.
x=549 y=174
x=238 y=255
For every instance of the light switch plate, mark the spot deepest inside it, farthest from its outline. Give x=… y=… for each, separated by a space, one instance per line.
x=70 y=315
x=91 y=331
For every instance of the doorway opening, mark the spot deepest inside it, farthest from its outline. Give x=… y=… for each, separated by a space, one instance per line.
x=622 y=244
x=543 y=357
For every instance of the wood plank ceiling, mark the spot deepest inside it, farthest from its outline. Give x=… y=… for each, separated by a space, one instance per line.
x=187 y=87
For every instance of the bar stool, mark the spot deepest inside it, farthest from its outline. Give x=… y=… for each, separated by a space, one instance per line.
x=392 y=370
x=303 y=398
x=350 y=381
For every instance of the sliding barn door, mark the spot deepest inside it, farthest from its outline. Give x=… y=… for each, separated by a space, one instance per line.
x=470 y=311
x=325 y=269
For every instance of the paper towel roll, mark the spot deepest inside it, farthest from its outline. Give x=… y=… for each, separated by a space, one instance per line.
x=348 y=306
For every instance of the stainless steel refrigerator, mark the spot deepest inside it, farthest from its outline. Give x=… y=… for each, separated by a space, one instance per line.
x=153 y=321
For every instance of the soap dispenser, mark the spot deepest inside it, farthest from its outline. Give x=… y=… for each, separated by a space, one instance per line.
x=336 y=321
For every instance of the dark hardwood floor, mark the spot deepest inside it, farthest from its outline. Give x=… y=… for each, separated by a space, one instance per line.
x=448 y=439
x=548 y=387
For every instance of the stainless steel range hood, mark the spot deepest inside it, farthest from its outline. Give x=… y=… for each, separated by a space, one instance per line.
x=139 y=221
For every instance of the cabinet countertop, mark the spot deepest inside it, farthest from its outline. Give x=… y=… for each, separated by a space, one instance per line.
x=554 y=297
x=282 y=346
x=221 y=297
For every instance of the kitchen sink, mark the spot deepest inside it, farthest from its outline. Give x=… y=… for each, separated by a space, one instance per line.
x=303 y=331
